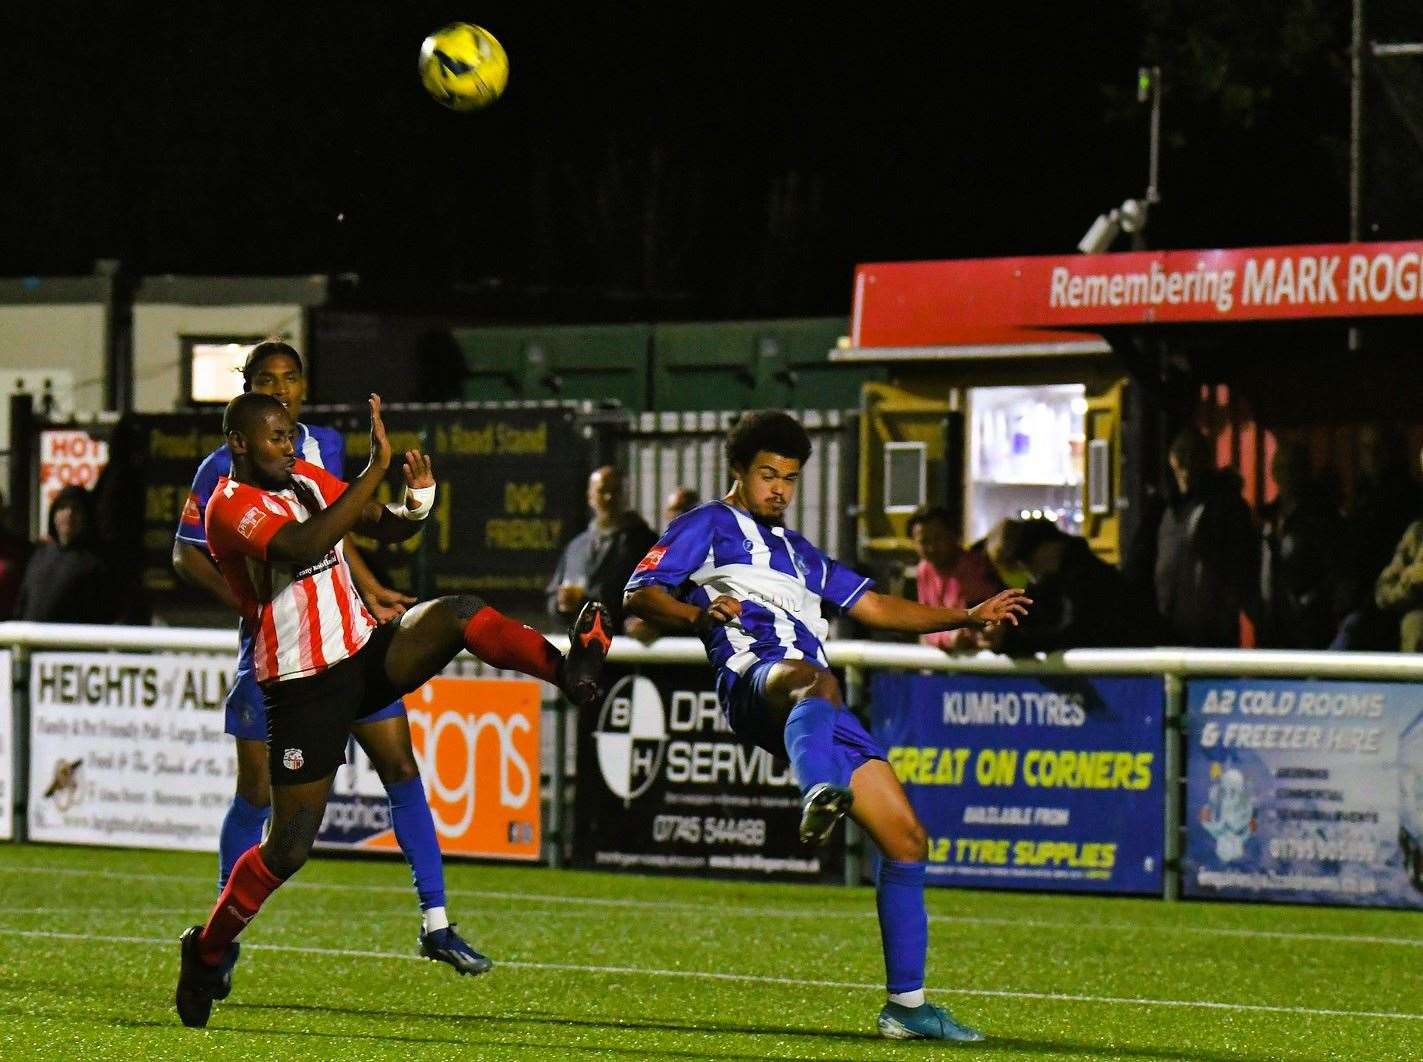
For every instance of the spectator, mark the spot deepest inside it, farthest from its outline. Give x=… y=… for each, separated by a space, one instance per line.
x=1399 y=590
x=1302 y=538
x=681 y=500
x=599 y=561
x=15 y=551
x=991 y=546
x=1079 y=600
x=949 y=576
x=67 y=580
x=1386 y=500
x=1207 y=550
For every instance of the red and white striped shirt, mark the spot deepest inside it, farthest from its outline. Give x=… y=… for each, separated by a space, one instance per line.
x=304 y=618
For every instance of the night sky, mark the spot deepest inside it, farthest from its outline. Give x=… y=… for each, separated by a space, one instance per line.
x=728 y=160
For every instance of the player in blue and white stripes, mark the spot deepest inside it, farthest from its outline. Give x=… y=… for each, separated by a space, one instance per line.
x=752 y=590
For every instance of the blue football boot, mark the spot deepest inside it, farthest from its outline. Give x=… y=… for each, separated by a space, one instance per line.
x=823 y=807
x=924 y=1022
x=447 y=946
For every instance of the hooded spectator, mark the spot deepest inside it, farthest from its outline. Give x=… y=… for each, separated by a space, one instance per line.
x=68 y=580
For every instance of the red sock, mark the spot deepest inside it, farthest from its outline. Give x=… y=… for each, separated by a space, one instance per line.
x=504 y=643
x=248 y=887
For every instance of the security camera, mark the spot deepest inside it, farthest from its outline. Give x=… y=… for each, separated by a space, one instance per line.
x=1103 y=231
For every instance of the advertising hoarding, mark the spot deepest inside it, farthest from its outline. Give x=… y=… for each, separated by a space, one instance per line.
x=665 y=786
x=1031 y=783
x=1307 y=792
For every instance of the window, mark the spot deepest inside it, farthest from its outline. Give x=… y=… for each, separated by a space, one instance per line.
x=212 y=367
x=905 y=476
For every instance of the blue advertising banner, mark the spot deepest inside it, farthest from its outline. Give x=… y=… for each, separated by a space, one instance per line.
x=1040 y=782
x=1305 y=792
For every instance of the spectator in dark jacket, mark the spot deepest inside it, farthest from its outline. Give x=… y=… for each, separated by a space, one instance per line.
x=1207 y=550
x=599 y=561
x=1301 y=560
x=1079 y=600
x=1386 y=501
x=68 y=580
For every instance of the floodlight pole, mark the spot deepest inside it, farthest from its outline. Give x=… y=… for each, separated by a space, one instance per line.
x=1401 y=49
x=1153 y=177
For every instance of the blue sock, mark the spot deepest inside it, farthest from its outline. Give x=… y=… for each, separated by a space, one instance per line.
x=903 y=924
x=415 y=833
x=810 y=741
x=241 y=829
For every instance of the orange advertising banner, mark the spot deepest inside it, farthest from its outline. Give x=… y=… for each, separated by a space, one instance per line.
x=477 y=743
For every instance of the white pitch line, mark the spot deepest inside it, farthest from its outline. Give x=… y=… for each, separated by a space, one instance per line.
x=776 y=912
x=762 y=979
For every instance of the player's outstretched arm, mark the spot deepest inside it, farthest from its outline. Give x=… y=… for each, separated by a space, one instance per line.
x=301 y=542
x=670 y=616
x=887 y=613
x=193 y=565
x=392 y=523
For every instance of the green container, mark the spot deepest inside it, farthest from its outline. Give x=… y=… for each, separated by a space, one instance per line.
x=754 y=365
x=601 y=363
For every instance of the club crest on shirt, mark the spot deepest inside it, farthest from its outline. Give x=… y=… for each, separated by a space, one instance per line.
x=799 y=563
x=292 y=759
x=748 y=545
x=251 y=520
x=653 y=559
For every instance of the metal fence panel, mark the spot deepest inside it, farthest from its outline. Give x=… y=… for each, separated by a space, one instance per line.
x=662 y=451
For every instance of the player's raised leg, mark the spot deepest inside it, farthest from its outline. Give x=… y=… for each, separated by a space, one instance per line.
x=209 y=951
x=801 y=704
x=387 y=742
x=431 y=633
x=883 y=811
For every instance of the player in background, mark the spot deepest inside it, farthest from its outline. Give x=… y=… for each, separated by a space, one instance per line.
x=732 y=573
x=275 y=528
x=275 y=368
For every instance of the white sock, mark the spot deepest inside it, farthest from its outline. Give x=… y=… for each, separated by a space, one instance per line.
x=433 y=918
x=908 y=999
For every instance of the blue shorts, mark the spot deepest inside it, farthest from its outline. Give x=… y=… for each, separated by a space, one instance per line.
x=247 y=712
x=743 y=702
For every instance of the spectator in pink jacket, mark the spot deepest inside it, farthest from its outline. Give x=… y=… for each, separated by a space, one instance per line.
x=949 y=576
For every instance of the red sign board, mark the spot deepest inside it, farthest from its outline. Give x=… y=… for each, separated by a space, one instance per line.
x=925 y=303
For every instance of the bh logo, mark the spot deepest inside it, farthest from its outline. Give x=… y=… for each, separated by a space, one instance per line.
x=631 y=735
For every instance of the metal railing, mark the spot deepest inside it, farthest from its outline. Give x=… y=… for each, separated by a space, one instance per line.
x=1174 y=665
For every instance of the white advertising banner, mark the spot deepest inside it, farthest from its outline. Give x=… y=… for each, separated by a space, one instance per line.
x=128 y=749
x=7 y=750
x=68 y=458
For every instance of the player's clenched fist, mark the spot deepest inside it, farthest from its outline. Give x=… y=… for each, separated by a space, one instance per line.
x=724 y=609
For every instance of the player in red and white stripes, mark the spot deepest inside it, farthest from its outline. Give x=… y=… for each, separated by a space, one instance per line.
x=275 y=527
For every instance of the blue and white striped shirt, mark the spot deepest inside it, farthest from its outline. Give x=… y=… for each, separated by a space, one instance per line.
x=777 y=575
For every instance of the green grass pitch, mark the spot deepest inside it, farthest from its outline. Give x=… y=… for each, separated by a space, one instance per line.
x=596 y=965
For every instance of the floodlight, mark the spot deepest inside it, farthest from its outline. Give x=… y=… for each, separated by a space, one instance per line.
x=1103 y=231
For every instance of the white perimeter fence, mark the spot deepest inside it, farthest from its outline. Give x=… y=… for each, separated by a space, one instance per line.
x=1173 y=665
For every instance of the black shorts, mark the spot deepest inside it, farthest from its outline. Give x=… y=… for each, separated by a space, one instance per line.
x=309 y=719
